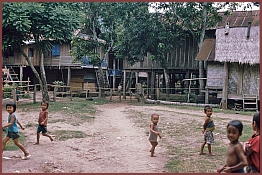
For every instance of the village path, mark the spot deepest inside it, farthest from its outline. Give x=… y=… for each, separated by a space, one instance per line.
x=113 y=145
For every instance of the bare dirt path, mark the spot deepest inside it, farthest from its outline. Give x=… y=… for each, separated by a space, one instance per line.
x=113 y=144
x=116 y=141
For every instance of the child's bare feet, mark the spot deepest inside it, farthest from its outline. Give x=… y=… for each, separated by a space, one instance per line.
x=51 y=139
x=36 y=143
x=153 y=155
x=201 y=153
x=211 y=154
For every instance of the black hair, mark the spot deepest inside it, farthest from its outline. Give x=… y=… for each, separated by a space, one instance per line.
x=11 y=104
x=154 y=115
x=256 y=118
x=207 y=107
x=236 y=123
x=45 y=102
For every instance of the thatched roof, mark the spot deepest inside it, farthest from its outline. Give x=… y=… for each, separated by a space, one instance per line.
x=237 y=47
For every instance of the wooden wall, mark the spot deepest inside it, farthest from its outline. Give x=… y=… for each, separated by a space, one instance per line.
x=182 y=57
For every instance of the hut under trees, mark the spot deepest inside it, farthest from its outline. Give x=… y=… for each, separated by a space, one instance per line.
x=233 y=60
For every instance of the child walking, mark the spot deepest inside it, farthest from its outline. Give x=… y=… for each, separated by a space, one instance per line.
x=12 y=129
x=154 y=133
x=236 y=160
x=42 y=122
x=252 y=147
x=208 y=128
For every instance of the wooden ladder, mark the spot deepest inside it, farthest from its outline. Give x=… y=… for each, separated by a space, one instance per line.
x=250 y=102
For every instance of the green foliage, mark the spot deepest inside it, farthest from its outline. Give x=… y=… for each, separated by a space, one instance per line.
x=7 y=91
x=33 y=20
x=60 y=83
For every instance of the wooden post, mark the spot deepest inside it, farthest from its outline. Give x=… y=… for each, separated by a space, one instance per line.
x=147 y=84
x=225 y=86
x=21 y=73
x=55 y=89
x=68 y=75
x=14 y=95
x=137 y=77
x=28 y=80
x=206 y=95
x=111 y=94
x=87 y=90
x=130 y=94
x=34 y=95
x=124 y=85
x=100 y=92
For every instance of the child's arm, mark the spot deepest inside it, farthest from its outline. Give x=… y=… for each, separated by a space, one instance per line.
x=152 y=130
x=219 y=170
x=241 y=158
x=205 y=124
x=21 y=126
x=10 y=123
x=247 y=149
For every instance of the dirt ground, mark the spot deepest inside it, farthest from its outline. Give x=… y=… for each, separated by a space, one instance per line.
x=116 y=142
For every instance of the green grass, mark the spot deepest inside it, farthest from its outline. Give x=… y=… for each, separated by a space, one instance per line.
x=10 y=146
x=65 y=135
x=185 y=158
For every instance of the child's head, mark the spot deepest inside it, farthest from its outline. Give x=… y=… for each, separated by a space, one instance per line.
x=10 y=107
x=234 y=130
x=44 y=104
x=155 y=118
x=208 y=110
x=256 y=121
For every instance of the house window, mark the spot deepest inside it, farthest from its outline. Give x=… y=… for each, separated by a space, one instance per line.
x=9 y=53
x=30 y=52
x=56 y=50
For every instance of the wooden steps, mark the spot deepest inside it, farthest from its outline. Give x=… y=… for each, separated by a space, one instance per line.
x=250 y=102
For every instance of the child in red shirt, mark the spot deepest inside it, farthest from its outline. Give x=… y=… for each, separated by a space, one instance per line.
x=252 y=147
x=42 y=122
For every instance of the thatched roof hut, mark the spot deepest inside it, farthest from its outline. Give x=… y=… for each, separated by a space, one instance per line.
x=234 y=56
x=240 y=42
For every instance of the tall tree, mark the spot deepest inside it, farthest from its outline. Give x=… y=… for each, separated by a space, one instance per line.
x=41 y=22
x=144 y=32
x=99 y=21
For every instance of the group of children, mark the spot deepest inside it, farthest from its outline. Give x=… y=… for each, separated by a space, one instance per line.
x=238 y=156
x=13 y=122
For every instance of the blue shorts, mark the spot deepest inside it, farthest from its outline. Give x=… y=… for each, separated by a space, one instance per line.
x=238 y=171
x=41 y=128
x=13 y=135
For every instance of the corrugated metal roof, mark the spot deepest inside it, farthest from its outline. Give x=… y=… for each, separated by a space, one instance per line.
x=240 y=19
x=207 y=51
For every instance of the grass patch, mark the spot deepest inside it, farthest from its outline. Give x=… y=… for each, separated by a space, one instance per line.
x=10 y=146
x=65 y=135
x=184 y=155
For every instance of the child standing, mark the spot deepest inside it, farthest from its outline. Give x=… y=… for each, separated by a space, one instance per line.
x=12 y=129
x=42 y=122
x=208 y=128
x=236 y=160
x=252 y=147
x=154 y=133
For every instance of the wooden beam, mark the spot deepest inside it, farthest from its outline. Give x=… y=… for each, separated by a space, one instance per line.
x=225 y=86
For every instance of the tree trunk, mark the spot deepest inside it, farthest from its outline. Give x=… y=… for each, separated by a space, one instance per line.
x=45 y=95
x=201 y=40
x=42 y=79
